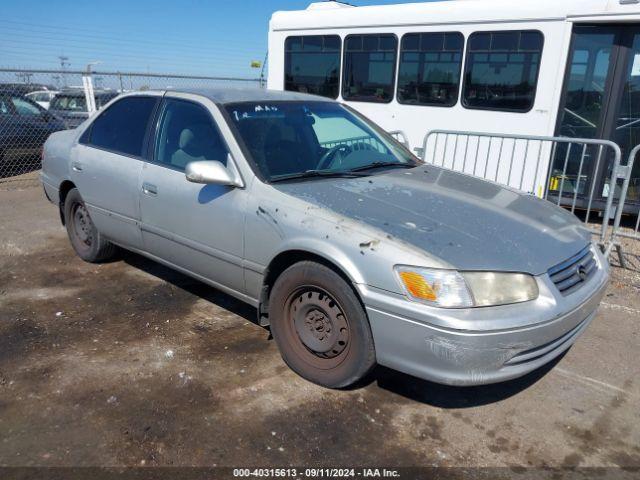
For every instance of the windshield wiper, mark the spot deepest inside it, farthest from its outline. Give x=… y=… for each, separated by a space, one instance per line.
x=317 y=173
x=382 y=164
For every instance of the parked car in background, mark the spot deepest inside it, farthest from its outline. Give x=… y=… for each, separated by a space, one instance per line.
x=42 y=97
x=25 y=88
x=351 y=249
x=24 y=127
x=71 y=105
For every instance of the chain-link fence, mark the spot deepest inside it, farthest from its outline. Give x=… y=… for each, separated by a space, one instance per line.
x=36 y=103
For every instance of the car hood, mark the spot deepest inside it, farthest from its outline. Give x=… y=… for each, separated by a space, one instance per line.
x=469 y=223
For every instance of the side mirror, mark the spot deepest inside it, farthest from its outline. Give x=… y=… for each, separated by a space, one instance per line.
x=211 y=172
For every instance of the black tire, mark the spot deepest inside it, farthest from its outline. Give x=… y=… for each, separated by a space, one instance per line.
x=320 y=326
x=86 y=240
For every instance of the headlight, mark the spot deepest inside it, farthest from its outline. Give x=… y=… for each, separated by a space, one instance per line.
x=490 y=288
x=452 y=289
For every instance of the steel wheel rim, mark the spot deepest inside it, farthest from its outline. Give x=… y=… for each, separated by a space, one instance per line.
x=82 y=225
x=317 y=326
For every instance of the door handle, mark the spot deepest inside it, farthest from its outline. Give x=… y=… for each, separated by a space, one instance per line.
x=76 y=166
x=149 y=189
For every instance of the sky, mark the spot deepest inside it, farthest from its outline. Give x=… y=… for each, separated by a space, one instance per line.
x=215 y=37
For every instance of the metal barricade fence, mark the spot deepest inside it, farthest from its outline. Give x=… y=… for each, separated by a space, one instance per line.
x=632 y=232
x=366 y=142
x=36 y=103
x=400 y=136
x=559 y=169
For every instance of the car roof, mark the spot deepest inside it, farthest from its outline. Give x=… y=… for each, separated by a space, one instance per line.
x=223 y=95
x=80 y=93
x=12 y=91
x=21 y=88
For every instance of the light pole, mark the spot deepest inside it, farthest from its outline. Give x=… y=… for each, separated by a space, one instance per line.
x=63 y=65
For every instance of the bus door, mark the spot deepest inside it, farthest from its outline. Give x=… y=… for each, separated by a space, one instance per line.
x=600 y=99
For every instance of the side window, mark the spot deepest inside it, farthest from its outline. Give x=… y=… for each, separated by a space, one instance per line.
x=369 y=68
x=25 y=107
x=501 y=70
x=4 y=106
x=188 y=134
x=312 y=64
x=430 y=65
x=122 y=127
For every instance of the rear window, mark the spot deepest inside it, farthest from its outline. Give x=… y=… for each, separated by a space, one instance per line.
x=102 y=100
x=70 y=103
x=24 y=107
x=122 y=127
x=78 y=103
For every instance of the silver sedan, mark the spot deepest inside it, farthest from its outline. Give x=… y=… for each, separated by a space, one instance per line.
x=352 y=250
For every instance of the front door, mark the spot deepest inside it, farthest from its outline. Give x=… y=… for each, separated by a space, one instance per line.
x=195 y=227
x=600 y=100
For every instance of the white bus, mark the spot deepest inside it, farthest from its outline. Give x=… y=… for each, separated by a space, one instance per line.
x=530 y=67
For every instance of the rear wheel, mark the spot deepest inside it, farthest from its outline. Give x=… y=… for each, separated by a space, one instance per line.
x=85 y=239
x=320 y=326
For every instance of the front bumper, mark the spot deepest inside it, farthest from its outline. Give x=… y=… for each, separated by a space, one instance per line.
x=481 y=345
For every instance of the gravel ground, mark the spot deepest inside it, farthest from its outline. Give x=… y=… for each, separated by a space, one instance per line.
x=129 y=363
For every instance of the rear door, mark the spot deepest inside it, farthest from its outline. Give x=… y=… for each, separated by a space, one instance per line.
x=192 y=226
x=107 y=163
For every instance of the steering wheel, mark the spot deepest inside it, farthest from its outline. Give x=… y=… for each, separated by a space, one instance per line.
x=328 y=158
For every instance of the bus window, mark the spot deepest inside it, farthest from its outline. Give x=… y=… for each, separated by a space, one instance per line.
x=501 y=70
x=369 y=68
x=430 y=66
x=312 y=64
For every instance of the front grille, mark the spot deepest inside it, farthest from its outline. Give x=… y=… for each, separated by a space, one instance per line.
x=571 y=274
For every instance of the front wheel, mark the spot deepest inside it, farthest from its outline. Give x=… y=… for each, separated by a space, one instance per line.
x=85 y=239
x=320 y=326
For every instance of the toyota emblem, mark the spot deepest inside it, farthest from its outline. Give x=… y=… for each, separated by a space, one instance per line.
x=582 y=273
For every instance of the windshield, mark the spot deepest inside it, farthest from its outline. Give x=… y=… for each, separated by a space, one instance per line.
x=291 y=139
